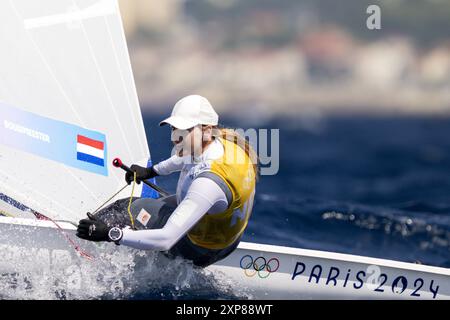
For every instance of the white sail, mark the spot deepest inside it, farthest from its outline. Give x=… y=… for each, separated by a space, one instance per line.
x=68 y=105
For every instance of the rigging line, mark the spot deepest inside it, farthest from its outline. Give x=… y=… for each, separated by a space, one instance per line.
x=104 y=85
x=72 y=242
x=131 y=200
x=116 y=58
x=61 y=230
x=59 y=85
x=109 y=199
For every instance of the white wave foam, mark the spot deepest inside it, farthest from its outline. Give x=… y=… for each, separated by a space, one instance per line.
x=117 y=273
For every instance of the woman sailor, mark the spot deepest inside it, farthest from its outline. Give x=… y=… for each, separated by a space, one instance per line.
x=206 y=219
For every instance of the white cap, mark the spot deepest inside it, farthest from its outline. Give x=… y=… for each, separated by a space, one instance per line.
x=191 y=111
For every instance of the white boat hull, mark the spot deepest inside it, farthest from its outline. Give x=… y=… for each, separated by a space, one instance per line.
x=260 y=271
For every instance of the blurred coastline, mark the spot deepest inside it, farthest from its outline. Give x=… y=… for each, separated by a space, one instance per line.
x=290 y=57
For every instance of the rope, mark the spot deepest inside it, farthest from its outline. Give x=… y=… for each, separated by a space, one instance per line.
x=131 y=199
x=112 y=197
x=129 y=203
x=73 y=243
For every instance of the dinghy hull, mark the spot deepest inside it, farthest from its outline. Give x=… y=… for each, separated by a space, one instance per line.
x=259 y=271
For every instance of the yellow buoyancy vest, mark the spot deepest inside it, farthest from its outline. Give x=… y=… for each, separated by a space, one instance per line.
x=218 y=231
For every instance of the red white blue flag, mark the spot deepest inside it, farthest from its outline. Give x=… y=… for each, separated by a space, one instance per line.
x=90 y=150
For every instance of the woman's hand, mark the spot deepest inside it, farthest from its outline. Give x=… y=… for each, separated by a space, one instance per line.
x=93 y=230
x=141 y=174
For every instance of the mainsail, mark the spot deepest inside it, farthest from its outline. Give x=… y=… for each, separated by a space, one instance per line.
x=68 y=105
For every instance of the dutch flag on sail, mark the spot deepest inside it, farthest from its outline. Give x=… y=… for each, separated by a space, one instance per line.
x=90 y=150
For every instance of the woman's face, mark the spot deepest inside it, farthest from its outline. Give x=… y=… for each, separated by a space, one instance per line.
x=191 y=141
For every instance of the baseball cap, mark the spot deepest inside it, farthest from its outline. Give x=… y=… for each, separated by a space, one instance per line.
x=191 y=111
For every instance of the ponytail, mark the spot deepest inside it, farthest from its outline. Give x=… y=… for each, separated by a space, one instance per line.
x=233 y=136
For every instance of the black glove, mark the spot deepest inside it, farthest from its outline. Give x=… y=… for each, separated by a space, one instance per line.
x=93 y=230
x=141 y=174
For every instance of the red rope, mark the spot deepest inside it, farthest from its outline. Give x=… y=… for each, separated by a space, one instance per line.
x=77 y=248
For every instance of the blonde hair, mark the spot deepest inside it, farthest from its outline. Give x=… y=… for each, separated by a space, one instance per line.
x=233 y=136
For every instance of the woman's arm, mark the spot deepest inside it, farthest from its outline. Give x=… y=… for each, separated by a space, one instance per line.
x=173 y=164
x=203 y=194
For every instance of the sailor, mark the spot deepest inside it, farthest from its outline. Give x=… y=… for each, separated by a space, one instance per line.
x=206 y=218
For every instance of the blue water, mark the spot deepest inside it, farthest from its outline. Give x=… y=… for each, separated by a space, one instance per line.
x=372 y=186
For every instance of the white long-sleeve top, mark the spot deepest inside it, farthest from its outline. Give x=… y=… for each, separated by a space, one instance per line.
x=196 y=196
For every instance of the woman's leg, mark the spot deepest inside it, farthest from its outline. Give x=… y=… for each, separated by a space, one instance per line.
x=201 y=257
x=160 y=211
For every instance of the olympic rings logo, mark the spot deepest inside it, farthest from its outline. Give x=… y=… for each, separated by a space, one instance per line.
x=259 y=266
